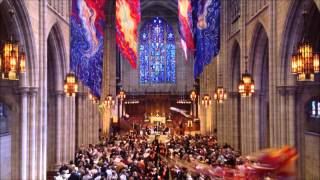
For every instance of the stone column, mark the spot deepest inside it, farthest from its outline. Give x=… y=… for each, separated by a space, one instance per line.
x=59 y=132
x=24 y=132
x=65 y=129
x=234 y=98
x=72 y=128
x=81 y=107
x=85 y=122
x=33 y=133
x=291 y=117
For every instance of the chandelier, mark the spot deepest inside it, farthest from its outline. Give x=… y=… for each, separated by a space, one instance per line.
x=305 y=62
x=71 y=85
x=193 y=95
x=109 y=102
x=12 y=61
x=206 y=100
x=122 y=95
x=220 y=94
x=93 y=98
x=246 y=86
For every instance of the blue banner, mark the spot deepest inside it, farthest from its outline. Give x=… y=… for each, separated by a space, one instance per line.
x=87 y=42
x=206 y=14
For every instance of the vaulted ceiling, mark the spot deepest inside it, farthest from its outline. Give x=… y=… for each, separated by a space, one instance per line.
x=164 y=8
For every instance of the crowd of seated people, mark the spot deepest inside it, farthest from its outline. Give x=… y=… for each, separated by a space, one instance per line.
x=135 y=157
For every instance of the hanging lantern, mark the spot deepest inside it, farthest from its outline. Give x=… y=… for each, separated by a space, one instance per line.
x=122 y=95
x=246 y=86
x=220 y=94
x=206 y=100
x=316 y=63
x=305 y=62
x=93 y=98
x=109 y=102
x=193 y=95
x=12 y=61
x=71 y=85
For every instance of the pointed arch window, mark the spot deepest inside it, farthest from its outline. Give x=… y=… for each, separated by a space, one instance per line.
x=157 y=52
x=315 y=109
x=4 y=124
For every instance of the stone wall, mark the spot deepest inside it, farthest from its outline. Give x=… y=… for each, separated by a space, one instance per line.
x=312 y=156
x=281 y=21
x=42 y=27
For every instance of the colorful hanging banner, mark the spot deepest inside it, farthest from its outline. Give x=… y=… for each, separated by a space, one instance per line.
x=87 y=42
x=186 y=26
x=127 y=21
x=206 y=17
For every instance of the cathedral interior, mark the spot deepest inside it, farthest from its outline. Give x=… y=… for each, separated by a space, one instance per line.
x=159 y=89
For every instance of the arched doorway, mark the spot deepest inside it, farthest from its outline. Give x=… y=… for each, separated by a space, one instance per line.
x=260 y=65
x=236 y=103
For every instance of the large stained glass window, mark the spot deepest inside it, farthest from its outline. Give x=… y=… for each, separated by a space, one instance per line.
x=157 y=52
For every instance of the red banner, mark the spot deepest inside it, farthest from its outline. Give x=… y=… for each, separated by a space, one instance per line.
x=185 y=19
x=127 y=21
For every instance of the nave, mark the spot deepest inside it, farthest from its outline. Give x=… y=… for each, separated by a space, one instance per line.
x=180 y=89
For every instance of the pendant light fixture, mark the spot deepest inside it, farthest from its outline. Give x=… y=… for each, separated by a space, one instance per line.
x=206 y=99
x=93 y=98
x=122 y=95
x=71 y=85
x=220 y=93
x=12 y=60
x=109 y=100
x=305 y=62
x=246 y=86
x=193 y=95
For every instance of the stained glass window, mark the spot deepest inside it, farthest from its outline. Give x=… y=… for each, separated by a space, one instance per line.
x=157 y=52
x=315 y=109
x=4 y=124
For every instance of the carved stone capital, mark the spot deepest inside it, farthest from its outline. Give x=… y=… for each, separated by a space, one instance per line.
x=82 y=95
x=33 y=91
x=59 y=93
x=284 y=90
x=22 y=90
x=233 y=94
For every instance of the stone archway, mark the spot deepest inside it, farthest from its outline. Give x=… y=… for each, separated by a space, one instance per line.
x=56 y=68
x=260 y=70
x=16 y=93
x=296 y=93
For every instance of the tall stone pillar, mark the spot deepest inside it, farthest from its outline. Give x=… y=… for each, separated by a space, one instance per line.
x=33 y=134
x=24 y=132
x=291 y=117
x=59 y=132
x=65 y=130
x=81 y=107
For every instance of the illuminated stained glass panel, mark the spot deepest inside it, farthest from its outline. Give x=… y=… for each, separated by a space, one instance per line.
x=157 y=52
